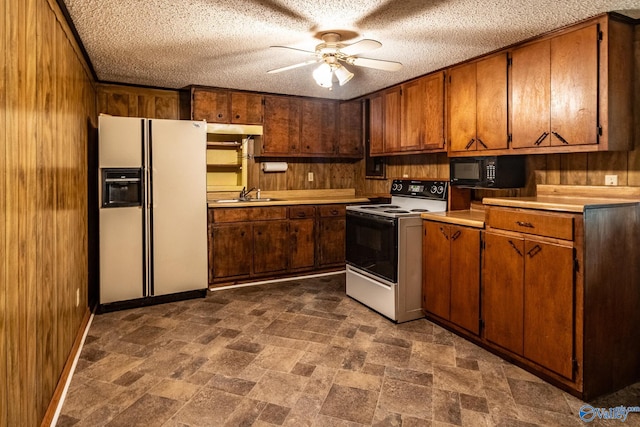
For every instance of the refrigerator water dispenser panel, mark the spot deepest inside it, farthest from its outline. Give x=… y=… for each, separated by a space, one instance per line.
x=121 y=187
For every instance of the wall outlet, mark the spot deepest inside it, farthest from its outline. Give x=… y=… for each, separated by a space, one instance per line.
x=77 y=297
x=310 y=176
x=611 y=180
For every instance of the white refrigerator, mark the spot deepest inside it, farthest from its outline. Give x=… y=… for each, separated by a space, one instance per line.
x=153 y=211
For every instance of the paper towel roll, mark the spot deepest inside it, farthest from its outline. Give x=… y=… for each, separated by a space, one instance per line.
x=274 y=166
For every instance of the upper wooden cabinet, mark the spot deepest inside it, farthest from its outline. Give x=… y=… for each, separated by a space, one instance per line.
x=350 y=129
x=281 y=132
x=423 y=113
x=376 y=124
x=478 y=106
x=318 y=127
x=573 y=91
x=408 y=118
x=310 y=127
x=225 y=106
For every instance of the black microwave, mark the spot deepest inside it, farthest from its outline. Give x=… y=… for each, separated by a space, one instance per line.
x=488 y=172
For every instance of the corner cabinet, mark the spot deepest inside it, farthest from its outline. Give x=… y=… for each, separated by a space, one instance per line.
x=478 y=107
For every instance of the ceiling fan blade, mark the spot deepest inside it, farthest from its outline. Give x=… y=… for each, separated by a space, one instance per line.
x=293 y=48
x=378 y=64
x=291 y=67
x=360 y=46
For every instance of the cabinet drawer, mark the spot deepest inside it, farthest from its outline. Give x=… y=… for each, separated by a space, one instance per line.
x=332 y=210
x=301 y=212
x=249 y=214
x=556 y=225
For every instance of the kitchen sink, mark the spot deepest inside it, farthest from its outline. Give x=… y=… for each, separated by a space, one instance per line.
x=264 y=199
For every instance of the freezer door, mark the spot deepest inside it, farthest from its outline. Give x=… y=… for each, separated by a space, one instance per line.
x=121 y=254
x=178 y=214
x=120 y=142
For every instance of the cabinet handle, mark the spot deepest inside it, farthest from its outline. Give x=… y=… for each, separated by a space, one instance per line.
x=541 y=138
x=534 y=251
x=242 y=233
x=443 y=233
x=334 y=212
x=482 y=143
x=525 y=224
x=219 y=115
x=301 y=214
x=237 y=116
x=455 y=235
x=469 y=144
x=564 y=141
x=515 y=248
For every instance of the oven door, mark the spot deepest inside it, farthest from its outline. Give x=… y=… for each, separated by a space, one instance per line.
x=372 y=244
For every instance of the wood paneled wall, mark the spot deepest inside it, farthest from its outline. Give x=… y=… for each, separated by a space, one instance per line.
x=47 y=111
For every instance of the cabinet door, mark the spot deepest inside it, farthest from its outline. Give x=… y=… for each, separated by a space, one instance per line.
x=270 y=246
x=502 y=291
x=465 y=277
x=318 y=127
x=210 y=105
x=462 y=108
x=530 y=95
x=413 y=115
x=549 y=283
x=302 y=243
x=491 y=103
x=376 y=124
x=231 y=249
x=574 y=87
x=350 y=135
x=246 y=108
x=434 y=120
x=281 y=126
x=436 y=261
x=392 y=124
x=331 y=241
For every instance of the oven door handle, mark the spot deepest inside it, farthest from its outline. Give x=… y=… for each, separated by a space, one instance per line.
x=372 y=218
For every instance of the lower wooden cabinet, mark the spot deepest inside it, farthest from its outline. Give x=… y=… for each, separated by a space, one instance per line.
x=302 y=240
x=451 y=279
x=538 y=281
x=273 y=241
x=270 y=247
x=331 y=235
x=559 y=290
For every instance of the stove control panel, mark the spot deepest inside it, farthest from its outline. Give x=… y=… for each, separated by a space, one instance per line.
x=420 y=188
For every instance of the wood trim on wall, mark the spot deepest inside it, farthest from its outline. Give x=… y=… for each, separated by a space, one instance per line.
x=66 y=372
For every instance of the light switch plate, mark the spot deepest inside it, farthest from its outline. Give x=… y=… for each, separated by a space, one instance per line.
x=310 y=176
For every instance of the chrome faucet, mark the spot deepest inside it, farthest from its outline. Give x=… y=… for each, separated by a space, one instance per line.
x=244 y=193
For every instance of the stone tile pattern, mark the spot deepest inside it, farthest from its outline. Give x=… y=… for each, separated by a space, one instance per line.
x=300 y=353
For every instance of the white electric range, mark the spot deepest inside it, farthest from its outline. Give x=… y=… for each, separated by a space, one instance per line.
x=384 y=248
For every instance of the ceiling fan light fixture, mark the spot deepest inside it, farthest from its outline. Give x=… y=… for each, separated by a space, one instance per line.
x=343 y=74
x=323 y=75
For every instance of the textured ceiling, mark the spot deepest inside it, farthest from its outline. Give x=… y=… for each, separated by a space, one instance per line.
x=225 y=43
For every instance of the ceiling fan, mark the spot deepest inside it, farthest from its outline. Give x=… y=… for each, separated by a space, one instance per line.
x=331 y=53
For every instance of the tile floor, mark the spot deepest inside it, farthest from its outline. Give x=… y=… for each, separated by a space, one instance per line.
x=301 y=353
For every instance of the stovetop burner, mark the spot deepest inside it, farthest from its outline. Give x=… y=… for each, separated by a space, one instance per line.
x=396 y=211
x=388 y=206
x=419 y=210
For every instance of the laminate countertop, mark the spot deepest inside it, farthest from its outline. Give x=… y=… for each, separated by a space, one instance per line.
x=469 y=218
x=293 y=197
x=557 y=203
x=290 y=201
